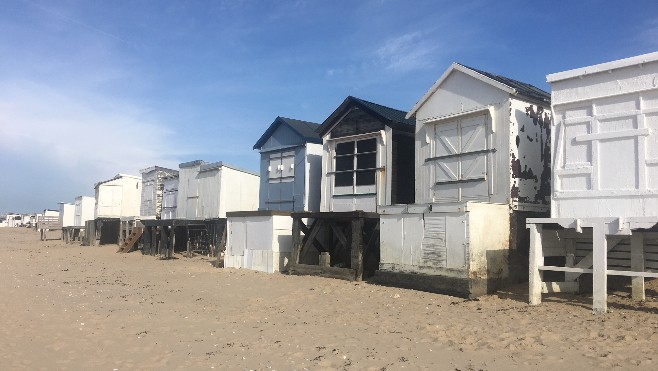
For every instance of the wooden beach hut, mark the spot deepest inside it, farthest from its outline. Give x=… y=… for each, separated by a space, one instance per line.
x=204 y=193
x=153 y=188
x=482 y=165
x=604 y=205
x=116 y=199
x=290 y=168
x=367 y=161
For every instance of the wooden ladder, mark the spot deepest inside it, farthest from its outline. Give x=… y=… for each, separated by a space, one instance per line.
x=129 y=243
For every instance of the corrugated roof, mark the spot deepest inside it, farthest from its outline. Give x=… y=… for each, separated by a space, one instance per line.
x=304 y=128
x=526 y=90
x=391 y=116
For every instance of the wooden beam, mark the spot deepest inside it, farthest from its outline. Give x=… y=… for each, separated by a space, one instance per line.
x=564 y=269
x=338 y=233
x=297 y=226
x=356 y=248
x=310 y=238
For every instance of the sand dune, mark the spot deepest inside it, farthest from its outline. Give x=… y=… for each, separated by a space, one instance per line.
x=72 y=307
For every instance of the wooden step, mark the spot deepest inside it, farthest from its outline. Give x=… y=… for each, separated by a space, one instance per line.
x=129 y=243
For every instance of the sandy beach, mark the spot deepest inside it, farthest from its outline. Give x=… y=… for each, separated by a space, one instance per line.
x=67 y=307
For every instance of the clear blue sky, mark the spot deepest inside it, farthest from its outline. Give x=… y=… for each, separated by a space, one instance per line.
x=89 y=89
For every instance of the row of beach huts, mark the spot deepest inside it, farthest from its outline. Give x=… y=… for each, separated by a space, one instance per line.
x=486 y=181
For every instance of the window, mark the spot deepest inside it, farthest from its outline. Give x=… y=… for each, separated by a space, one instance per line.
x=355 y=163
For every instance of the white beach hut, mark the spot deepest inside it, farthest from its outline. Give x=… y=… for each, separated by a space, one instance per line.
x=482 y=165
x=153 y=191
x=291 y=163
x=604 y=205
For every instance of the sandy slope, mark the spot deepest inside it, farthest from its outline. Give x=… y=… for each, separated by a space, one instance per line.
x=81 y=308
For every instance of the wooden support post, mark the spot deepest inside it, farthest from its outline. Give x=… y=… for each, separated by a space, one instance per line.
x=163 y=242
x=325 y=259
x=599 y=274
x=189 y=245
x=637 y=265
x=171 y=241
x=536 y=259
x=570 y=247
x=356 y=248
x=296 y=239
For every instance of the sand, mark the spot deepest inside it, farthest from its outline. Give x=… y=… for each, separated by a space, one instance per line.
x=89 y=308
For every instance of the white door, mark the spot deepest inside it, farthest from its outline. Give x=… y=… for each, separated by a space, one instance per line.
x=460 y=160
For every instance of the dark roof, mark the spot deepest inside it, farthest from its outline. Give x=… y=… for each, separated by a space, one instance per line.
x=307 y=130
x=391 y=116
x=526 y=90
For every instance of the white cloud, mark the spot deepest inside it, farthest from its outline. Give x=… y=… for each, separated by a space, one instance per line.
x=89 y=137
x=407 y=52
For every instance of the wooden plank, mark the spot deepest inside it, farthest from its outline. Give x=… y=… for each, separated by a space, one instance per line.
x=564 y=269
x=536 y=261
x=613 y=272
x=315 y=229
x=554 y=287
x=316 y=270
x=338 y=233
x=637 y=265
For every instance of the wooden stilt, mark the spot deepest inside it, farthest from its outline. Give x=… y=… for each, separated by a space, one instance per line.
x=357 y=248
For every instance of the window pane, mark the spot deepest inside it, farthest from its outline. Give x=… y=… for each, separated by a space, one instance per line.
x=344 y=163
x=368 y=145
x=343 y=179
x=365 y=177
x=368 y=161
x=346 y=148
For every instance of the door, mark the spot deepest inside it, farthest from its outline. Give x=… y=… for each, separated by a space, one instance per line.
x=281 y=180
x=460 y=159
x=109 y=200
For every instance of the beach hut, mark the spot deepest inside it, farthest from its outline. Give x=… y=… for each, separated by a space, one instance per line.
x=368 y=157
x=290 y=168
x=604 y=205
x=117 y=199
x=367 y=162
x=482 y=166
x=169 y=196
x=204 y=193
x=84 y=210
x=153 y=191
x=67 y=214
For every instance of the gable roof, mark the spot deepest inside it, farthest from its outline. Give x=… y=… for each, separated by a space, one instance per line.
x=304 y=128
x=511 y=86
x=390 y=116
